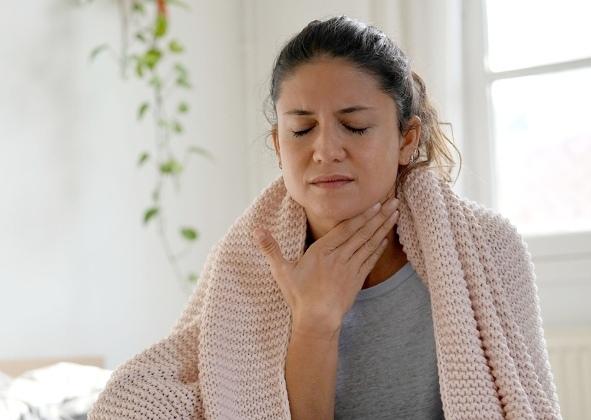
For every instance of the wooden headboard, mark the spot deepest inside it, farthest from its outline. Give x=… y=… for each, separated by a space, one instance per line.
x=15 y=367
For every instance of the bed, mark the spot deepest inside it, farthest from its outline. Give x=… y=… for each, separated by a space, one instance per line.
x=51 y=388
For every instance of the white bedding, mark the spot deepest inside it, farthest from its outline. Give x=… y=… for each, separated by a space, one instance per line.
x=62 y=391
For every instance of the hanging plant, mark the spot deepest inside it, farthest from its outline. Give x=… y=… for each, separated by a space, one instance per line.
x=153 y=57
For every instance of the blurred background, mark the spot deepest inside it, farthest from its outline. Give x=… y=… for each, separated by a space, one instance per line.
x=94 y=267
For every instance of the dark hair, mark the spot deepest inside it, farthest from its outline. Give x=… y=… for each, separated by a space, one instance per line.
x=370 y=50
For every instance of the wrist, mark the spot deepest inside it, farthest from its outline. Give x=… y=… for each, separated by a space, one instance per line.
x=316 y=328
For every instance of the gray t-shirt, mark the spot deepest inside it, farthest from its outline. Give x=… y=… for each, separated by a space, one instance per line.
x=387 y=365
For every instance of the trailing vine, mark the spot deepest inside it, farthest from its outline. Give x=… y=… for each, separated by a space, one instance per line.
x=153 y=56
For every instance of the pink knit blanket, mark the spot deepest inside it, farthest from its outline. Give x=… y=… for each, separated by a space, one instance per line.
x=225 y=357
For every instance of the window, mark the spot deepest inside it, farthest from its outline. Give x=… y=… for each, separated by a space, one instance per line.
x=527 y=74
x=538 y=67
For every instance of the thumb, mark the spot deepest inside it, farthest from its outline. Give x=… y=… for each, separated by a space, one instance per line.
x=269 y=246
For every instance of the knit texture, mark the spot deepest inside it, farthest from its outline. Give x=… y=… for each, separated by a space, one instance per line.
x=225 y=356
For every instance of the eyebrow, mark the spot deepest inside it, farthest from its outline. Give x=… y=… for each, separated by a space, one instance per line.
x=347 y=110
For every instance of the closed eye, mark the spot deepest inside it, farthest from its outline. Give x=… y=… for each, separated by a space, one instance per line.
x=359 y=131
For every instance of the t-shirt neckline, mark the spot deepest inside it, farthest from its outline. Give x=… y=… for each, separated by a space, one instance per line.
x=387 y=285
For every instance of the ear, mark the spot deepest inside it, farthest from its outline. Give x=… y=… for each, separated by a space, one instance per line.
x=275 y=136
x=410 y=140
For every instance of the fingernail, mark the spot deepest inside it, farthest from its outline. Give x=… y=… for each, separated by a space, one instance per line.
x=391 y=205
x=393 y=216
x=258 y=234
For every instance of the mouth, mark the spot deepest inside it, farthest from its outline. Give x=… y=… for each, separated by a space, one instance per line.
x=332 y=184
x=332 y=181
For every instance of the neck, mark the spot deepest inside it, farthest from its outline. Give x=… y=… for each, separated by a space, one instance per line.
x=392 y=259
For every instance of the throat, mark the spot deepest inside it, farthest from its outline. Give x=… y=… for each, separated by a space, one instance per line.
x=391 y=260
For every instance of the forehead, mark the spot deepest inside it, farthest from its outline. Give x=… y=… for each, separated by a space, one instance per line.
x=331 y=83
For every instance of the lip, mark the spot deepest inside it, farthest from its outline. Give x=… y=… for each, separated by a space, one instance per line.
x=333 y=184
x=334 y=178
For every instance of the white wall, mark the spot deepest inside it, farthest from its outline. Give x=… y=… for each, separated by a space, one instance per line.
x=79 y=274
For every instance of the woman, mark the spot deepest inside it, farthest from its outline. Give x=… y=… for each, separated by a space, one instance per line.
x=313 y=306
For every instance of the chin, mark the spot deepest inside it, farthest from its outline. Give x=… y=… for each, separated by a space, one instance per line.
x=336 y=213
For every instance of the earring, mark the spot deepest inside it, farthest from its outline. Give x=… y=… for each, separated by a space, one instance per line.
x=413 y=157
x=280 y=167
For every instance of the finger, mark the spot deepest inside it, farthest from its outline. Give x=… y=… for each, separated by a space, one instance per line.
x=270 y=248
x=366 y=232
x=341 y=232
x=371 y=261
x=369 y=247
x=347 y=228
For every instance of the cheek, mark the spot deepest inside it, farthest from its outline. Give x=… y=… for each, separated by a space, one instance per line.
x=380 y=166
x=296 y=189
x=379 y=156
x=291 y=159
x=293 y=175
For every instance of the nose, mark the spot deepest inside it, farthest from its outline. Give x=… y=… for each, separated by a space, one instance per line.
x=328 y=146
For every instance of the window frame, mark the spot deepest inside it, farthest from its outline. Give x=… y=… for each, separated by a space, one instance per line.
x=549 y=251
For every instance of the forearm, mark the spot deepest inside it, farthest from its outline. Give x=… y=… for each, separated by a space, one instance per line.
x=310 y=374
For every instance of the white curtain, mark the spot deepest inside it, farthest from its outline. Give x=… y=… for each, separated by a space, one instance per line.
x=430 y=33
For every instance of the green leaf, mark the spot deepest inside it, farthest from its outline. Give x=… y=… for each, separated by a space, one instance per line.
x=143 y=157
x=138 y=7
x=162 y=123
x=151 y=57
x=183 y=108
x=142 y=110
x=182 y=70
x=200 y=151
x=156 y=82
x=193 y=278
x=177 y=127
x=160 y=26
x=171 y=166
x=139 y=68
x=183 y=82
x=140 y=37
x=155 y=195
x=189 y=234
x=97 y=50
x=150 y=213
x=175 y=46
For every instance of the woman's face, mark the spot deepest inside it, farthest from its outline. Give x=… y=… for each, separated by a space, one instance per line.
x=333 y=119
